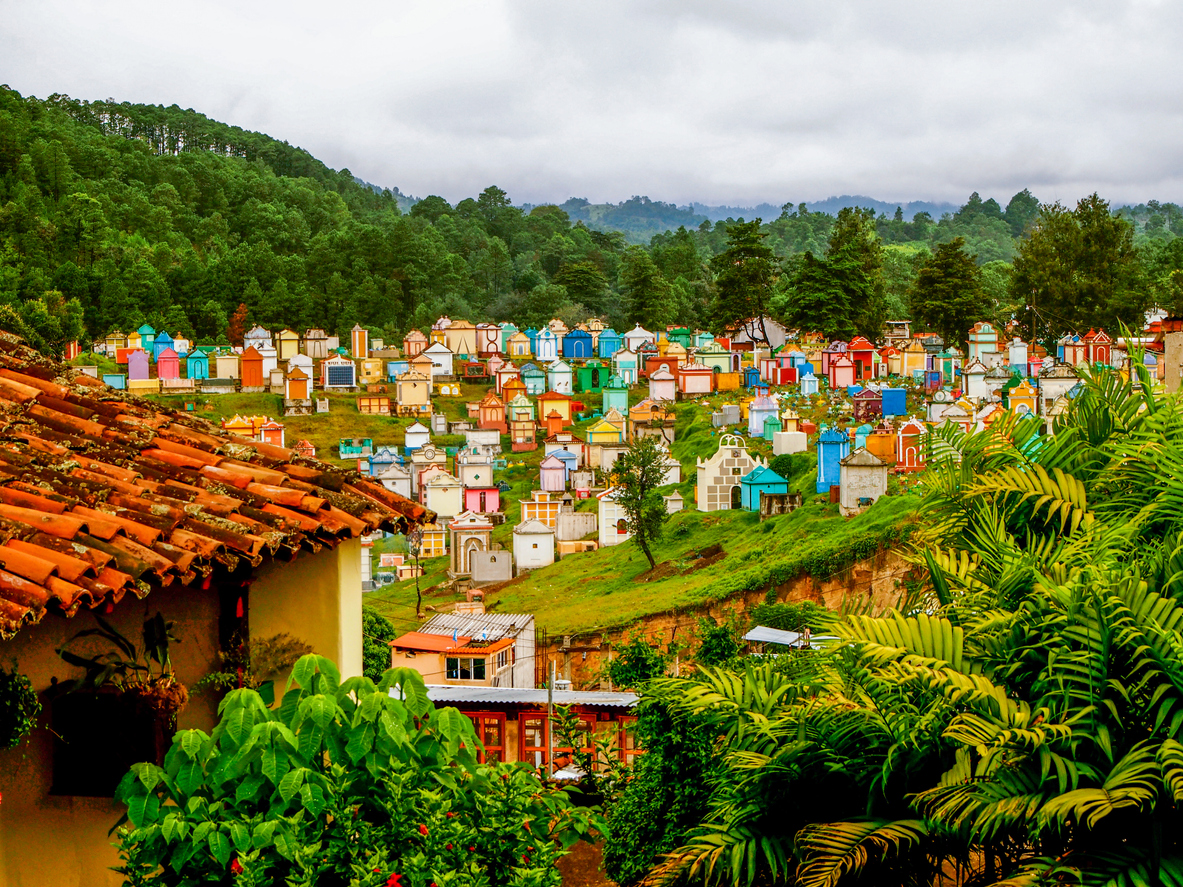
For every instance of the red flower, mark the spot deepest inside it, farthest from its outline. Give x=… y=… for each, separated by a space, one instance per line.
x=471 y=848
x=525 y=859
x=423 y=830
x=450 y=814
x=235 y=867
x=449 y=846
x=394 y=880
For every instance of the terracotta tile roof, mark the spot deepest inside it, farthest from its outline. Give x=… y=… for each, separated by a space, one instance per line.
x=102 y=494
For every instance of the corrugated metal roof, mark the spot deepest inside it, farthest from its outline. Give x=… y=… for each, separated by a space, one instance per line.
x=762 y=634
x=103 y=493
x=483 y=626
x=450 y=695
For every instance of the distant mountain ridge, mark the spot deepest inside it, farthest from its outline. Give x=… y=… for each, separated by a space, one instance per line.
x=830 y=206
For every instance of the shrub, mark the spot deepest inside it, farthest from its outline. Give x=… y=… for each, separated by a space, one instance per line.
x=343 y=783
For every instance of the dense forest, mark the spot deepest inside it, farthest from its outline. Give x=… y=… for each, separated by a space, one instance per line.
x=114 y=214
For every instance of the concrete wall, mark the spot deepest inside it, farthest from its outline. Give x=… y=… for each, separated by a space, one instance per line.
x=59 y=840
x=491 y=566
x=573 y=525
x=316 y=598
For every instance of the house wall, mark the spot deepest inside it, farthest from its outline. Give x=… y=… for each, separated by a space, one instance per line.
x=63 y=840
x=430 y=665
x=316 y=598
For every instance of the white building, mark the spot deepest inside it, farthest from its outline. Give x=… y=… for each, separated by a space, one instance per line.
x=613 y=520
x=442 y=360
x=533 y=545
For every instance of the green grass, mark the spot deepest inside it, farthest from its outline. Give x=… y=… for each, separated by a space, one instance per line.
x=610 y=588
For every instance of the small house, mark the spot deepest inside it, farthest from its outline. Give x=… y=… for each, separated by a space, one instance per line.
x=417 y=435
x=350 y=447
x=613 y=519
x=695 y=379
x=533 y=545
x=518 y=345
x=809 y=384
x=1098 y=347
x=913 y=359
x=558 y=377
x=161 y=343
x=553 y=401
x=228 y=366
x=608 y=343
x=287 y=344
x=534 y=378
x=297 y=385
x=833 y=446
x=636 y=337
x=546 y=345
x=468 y=532
x=864 y=357
x=881 y=443
x=578 y=345
x=460 y=338
x=491 y=413
x=522 y=435
x=909 y=452
x=271 y=432
x=316 y=344
x=414 y=343
x=554 y=474
x=374 y=405
x=868 y=404
x=543 y=506
x=893 y=401
x=761 y=409
x=841 y=371
x=507 y=372
x=197 y=365
x=335 y=373
x=605 y=432
x=758 y=481
x=863 y=479
x=444 y=494
x=412 y=394
x=138 y=365
x=508 y=331
x=359 y=342
x=1023 y=398
x=395 y=478
x=483 y=500
x=651 y=418
x=442 y=360
x=256 y=337
x=662 y=384
x=168 y=365
x=625 y=365
x=718 y=487
x=615 y=394
x=591 y=376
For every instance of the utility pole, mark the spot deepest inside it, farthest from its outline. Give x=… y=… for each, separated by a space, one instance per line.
x=550 y=721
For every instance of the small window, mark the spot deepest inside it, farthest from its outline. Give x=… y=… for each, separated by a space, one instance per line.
x=535 y=544
x=735 y=471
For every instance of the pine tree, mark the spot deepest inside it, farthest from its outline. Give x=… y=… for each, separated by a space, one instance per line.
x=947 y=297
x=744 y=275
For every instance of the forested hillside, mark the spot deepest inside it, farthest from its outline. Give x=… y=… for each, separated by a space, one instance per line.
x=115 y=214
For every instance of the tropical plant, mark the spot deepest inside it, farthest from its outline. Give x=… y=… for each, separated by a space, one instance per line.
x=345 y=782
x=256 y=664
x=19 y=707
x=143 y=673
x=1024 y=724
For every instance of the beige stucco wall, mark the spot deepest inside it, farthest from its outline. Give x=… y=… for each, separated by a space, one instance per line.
x=430 y=665
x=62 y=841
x=316 y=598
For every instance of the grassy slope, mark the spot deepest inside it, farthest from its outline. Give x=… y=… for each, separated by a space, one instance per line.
x=606 y=588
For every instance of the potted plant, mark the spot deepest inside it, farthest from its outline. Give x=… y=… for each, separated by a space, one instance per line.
x=142 y=674
x=19 y=707
x=255 y=665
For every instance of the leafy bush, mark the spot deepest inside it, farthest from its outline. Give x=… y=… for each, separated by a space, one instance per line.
x=343 y=783
x=665 y=795
x=377 y=633
x=635 y=663
x=19 y=707
x=718 y=642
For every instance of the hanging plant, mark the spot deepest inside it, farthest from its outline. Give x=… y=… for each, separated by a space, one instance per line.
x=19 y=707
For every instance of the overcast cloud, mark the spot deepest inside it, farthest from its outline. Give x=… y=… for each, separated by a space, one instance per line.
x=725 y=102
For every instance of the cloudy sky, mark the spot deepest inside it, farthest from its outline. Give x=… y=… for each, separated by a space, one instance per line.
x=723 y=102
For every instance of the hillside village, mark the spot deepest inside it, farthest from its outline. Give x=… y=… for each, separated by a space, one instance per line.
x=510 y=436
x=471 y=497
